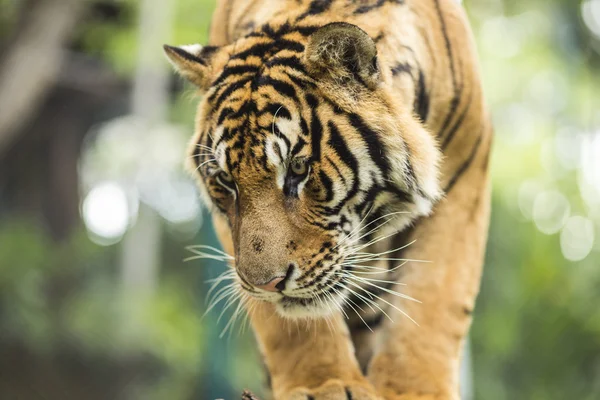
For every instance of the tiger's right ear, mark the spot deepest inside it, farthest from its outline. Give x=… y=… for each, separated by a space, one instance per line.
x=198 y=64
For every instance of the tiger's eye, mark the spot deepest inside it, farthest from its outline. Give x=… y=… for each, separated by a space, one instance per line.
x=299 y=167
x=225 y=177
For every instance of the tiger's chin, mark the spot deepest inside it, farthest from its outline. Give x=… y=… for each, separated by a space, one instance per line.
x=320 y=306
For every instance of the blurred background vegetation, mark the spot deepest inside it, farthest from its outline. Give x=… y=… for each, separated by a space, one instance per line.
x=95 y=211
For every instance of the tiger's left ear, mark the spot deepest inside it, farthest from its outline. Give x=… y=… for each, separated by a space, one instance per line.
x=198 y=64
x=344 y=52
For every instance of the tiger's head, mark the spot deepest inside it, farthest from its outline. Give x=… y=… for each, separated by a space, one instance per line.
x=300 y=143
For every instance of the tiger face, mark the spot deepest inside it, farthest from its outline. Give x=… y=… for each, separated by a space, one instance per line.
x=302 y=147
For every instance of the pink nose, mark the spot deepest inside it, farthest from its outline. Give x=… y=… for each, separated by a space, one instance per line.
x=272 y=285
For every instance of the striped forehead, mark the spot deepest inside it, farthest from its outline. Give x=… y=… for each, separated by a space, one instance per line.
x=284 y=135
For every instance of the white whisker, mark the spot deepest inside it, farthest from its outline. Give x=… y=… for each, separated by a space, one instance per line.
x=392 y=292
x=371 y=223
x=350 y=256
x=349 y=301
x=234 y=317
x=353 y=230
x=368 y=301
x=274 y=118
x=388 y=303
x=380 y=272
x=352 y=276
x=205 y=246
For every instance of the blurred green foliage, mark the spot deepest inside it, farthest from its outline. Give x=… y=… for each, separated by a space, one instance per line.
x=536 y=331
x=116 y=40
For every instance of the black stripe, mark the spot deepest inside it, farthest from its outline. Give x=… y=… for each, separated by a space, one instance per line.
x=458 y=123
x=375 y=148
x=269 y=31
x=225 y=112
x=245 y=109
x=298 y=147
x=232 y=87
x=456 y=97
x=371 y=7
x=275 y=33
x=348 y=393
x=280 y=86
x=401 y=195
x=293 y=62
x=236 y=70
x=288 y=144
x=185 y=55
x=318 y=278
x=447 y=41
x=421 y=105
x=378 y=38
x=302 y=82
x=466 y=164
x=304 y=131
x=263 y=49
x=327 y=184
x=337 y=170
x=305 y=30
x=275 y=108
x=316 y=128
x=338 y=144
x=368 y=199
x=316 y=7
x=401 y=68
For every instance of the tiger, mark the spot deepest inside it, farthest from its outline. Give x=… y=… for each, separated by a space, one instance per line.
x=342 y=147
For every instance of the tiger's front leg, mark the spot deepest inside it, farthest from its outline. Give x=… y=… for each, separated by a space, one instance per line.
x=421 y=362
x=309 y=359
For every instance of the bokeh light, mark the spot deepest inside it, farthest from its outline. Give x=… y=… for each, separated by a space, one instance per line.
x=590 y=11
x=105 y=212
x=577 y=238
x=550 y=211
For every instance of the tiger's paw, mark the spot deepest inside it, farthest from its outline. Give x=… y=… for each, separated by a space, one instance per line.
x=336 y=389
x=417 y=396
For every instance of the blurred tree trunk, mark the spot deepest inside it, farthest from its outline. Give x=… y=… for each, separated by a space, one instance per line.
x=149 y=102
x=38 y=176
x=31 y=60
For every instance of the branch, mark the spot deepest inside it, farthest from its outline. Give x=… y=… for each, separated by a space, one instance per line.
x=247 y=395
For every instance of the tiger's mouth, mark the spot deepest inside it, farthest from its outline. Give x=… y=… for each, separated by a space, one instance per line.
x=319 y=304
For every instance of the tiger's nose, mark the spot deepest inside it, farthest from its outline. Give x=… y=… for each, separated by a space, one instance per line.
x=278 y=284
x=275 y=285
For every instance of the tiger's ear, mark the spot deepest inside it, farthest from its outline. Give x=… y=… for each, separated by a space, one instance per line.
x=343 y=52
x=198 y=64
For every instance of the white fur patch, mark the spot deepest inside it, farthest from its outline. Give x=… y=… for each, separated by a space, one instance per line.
x=303 y=182
x=275 y=159
x=217 y=134
x=194 y=49
x=315 y=309
x=205 y=197
x=289 y=127
x=221 y=156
